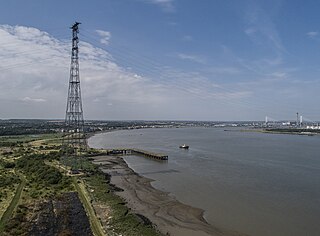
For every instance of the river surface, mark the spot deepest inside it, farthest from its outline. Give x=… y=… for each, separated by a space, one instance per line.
x=253 y=183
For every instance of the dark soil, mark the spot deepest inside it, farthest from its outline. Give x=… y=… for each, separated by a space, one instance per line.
x=62 y=216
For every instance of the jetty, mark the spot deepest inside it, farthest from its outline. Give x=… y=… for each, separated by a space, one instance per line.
x=138 y=152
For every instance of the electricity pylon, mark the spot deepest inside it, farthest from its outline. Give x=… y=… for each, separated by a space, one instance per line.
x=74 y=140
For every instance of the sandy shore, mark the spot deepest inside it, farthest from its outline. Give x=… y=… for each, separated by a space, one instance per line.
x=170 y=216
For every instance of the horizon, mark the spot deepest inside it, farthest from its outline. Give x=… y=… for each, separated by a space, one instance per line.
x=172 y=60
x=217 y=121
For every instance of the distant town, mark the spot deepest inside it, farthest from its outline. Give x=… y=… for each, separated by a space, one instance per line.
x=35 y=126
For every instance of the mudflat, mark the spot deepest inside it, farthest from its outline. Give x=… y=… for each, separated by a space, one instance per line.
x=170 y=216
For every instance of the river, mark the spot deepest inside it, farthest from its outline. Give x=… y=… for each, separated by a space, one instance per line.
x=250 y=182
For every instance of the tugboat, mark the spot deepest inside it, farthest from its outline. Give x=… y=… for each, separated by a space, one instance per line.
x=184 y=146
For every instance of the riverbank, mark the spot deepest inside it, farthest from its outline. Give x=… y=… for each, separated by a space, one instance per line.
x=170 y=216
x=304 y=132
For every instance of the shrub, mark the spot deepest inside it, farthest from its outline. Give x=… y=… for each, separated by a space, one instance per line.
x=9 y=165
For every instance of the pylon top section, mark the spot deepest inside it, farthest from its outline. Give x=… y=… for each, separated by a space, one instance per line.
x=75 y=26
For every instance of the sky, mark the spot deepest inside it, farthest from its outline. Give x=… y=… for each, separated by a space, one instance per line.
x=209 y=60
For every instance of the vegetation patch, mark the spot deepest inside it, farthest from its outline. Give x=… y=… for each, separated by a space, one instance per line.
x=43 y=180
x=35 y=177
x=121 y=219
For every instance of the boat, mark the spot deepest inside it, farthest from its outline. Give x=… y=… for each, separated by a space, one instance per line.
x=184 y=146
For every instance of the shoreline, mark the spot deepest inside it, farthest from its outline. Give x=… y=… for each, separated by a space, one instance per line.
x=167 y=214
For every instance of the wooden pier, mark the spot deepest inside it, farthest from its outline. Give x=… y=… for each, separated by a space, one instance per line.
x=157 y=156
x=134 y=151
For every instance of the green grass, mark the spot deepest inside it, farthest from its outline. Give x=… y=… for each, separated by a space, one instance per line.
x=8 y=213
x=43 y=181
x=123 y=221
x=81 y=163
x=94 y=221
x=29 y=138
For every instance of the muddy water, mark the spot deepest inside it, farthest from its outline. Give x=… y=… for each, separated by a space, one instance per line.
x=254 y=183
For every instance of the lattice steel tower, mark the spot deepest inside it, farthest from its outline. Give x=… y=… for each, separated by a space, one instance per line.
x=74 y=140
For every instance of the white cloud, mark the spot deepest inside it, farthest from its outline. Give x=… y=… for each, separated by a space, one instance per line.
x=187 y=38
x=250 y=31
x=172 y=23
x=312 y=34
x=35 y=67
x=195 y=58
x=261 y=29
x=28 y=99
x=35 y=72
x=224 y=70
x=166 y=5
x=279 y=74
x=105 y=36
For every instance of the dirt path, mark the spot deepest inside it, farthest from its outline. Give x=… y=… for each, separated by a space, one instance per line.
x=8 y=213
x=96 y=226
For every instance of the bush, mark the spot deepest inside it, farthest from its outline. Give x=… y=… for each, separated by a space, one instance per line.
x=9 y=165
x=8 y=181
x=38 y=171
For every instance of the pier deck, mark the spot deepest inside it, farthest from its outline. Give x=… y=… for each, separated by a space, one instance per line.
x=134 y=151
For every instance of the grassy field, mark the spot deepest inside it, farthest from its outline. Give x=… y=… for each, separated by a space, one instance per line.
x=122 y=221
x=29 y=138
x=35 y=170
x=23 y=177
x=15 y=200
x=9 y=182
x=85 y=199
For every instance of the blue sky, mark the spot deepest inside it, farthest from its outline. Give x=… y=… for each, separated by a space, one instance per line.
x=163 y=59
